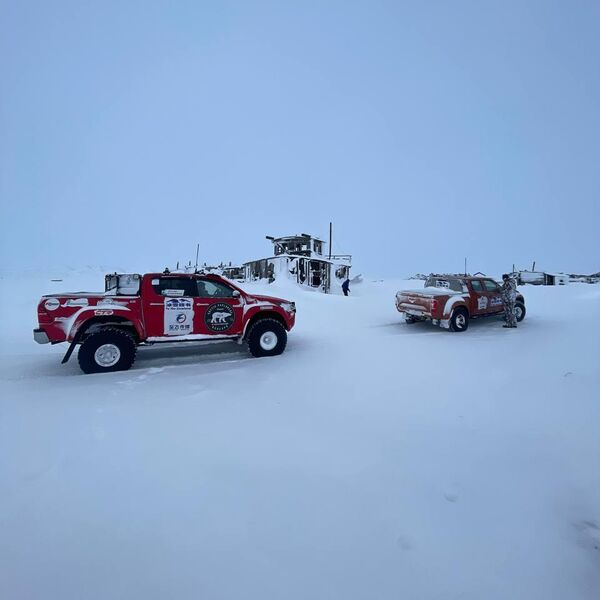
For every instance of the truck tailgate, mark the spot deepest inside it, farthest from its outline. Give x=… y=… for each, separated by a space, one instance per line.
x=416 y=304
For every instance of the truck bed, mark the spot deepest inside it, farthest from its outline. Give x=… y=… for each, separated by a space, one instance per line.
x=425 y=302
x=429 y=292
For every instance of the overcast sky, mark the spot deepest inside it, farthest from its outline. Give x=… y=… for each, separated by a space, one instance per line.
x=426 y=131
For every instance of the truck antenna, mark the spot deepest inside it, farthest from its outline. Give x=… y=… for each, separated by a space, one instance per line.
x=197 y=251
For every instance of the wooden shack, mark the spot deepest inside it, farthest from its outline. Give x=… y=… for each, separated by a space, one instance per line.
x=300 y=258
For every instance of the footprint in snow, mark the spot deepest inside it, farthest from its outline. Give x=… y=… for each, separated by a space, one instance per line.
x=99 y=433
x=143 y=376
x=404 y=542
x=151 y=371
x=451 y=493
x=589 y=534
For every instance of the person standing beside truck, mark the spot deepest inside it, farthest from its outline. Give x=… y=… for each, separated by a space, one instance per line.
x=509 y=297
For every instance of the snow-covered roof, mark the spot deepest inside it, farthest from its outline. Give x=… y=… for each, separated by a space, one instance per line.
x=298 y=237
x=335 y=260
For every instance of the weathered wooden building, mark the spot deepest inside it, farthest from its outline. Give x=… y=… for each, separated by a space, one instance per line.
x=301 y=259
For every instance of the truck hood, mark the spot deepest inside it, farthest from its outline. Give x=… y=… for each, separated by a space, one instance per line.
x=270 y=299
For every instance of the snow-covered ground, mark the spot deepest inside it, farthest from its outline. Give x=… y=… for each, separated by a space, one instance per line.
x=373 y=459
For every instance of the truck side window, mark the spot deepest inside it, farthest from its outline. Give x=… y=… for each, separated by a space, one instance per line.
x=213 y=289
x=175 y=286
x=477 y=287
x=490 y=286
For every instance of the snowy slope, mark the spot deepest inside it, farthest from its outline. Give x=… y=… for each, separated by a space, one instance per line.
x=373 y=459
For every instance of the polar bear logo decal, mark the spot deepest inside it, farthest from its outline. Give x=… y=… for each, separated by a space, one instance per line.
x=219 y=317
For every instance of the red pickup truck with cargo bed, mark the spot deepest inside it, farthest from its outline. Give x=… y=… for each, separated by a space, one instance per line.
x=158 y=308
x=451 y=300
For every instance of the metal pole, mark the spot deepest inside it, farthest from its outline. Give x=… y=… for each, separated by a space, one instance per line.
x=465 y=266
x=197 y=251
x=330 y=236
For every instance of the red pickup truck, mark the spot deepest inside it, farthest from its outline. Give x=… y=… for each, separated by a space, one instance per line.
x=157 y=308
x=450 y=301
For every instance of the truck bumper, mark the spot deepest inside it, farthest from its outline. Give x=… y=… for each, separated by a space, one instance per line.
x=413 y=310
x=40 y=336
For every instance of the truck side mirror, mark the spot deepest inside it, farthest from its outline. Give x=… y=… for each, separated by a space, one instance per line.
x=236 y=294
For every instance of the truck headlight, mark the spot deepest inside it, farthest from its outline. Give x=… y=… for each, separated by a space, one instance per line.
x=289 y=307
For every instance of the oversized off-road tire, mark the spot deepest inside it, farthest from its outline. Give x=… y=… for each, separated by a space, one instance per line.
x=519 y=311
x=459 y=321
x=267 y=337
x=107 y=350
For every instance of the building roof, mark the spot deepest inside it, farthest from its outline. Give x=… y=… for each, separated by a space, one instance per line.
x=302 y=236
x=339 y=260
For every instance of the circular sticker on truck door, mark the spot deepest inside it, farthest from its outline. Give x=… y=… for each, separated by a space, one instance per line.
x=219 y=316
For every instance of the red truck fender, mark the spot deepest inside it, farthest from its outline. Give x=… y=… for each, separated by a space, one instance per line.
x=452 y=303
x=101 y=313
x=262 y=310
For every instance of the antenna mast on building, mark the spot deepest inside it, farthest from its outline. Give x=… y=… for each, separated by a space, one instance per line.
x=330 y=237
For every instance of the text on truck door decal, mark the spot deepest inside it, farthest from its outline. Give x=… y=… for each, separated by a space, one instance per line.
x=179 y=316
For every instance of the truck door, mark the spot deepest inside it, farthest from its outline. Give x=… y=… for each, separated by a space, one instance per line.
x=480 y=299
x=219 y=308
x=492 y=289
x=169 y=306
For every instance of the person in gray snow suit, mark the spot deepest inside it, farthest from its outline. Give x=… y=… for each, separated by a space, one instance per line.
x=509 y=297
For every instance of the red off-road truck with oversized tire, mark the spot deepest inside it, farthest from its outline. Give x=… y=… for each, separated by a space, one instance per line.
x=450 y=301
x=159 y=308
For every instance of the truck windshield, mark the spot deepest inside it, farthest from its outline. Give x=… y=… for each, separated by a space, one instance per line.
x=449 y=283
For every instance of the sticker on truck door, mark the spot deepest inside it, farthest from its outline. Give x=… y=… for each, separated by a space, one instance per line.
x=482 y=302
x=219 y=317
x=179 y=316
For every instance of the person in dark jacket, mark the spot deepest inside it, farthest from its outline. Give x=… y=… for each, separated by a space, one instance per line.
x=346 y=287
x=509 y=297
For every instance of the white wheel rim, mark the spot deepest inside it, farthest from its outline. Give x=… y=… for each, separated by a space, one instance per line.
x=460 y=321
x=518 y=312
x=268 y=340
x=107 y=355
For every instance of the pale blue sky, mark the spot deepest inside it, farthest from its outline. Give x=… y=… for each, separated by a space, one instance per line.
x=426 y=131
